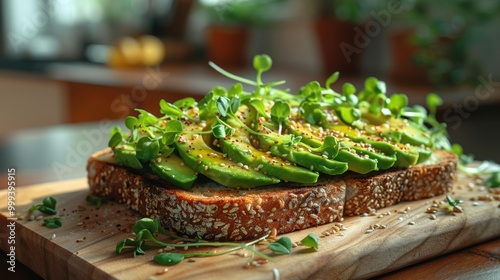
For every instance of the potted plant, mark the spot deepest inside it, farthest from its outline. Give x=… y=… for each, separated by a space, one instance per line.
x=228 y=31
x=334 y=25
x=433 y=41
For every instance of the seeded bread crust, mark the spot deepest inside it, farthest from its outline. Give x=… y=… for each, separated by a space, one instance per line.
x=366 y=194
x=213 y=212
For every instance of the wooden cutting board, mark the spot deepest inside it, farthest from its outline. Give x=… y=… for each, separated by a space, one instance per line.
x=84 y=247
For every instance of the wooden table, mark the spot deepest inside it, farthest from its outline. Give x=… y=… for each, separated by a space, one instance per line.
x=32 y=154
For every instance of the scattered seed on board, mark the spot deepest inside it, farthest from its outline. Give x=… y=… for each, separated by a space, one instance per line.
x=411 y=223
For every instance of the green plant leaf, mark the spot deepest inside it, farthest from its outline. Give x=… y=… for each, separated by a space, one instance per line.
x=146 y=118
x=223 y=105
x=147 y=149
x=281 y=246
x=184 y=103
x=311 y=241
x=131 y=122
x=493 y=181
x=258 y=105
x=50 y=202
x=168 y=258
x=219 y=130
x=348 y=89
x=280 y=111
x=348 y=114
x=332 y=79
x=96 y=201
x=262 y=63
x=145 y=223
x=330 y=147
x=433 y=101
x=453 y=202
x=235 y=104
x=397 y=102
x=235 y=90
x=47 y=210
x=170 y=110
x=52 y=222
x=115 y=140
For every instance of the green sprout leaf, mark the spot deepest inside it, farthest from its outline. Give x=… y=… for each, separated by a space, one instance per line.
x=219 y=130
x=128 y=242
x=48 y=206
x=332 y=79
x=279 y=113
x=493 y=181
x=223 y=105
x=311 y=241
x=262 y=63
x=396 y=103
x=145 y=223
x=348 y=114
x=184 y=103
x=96 y=201
x=170 y=110
x=235 y=90
x=146 y=118
x=433 y=101
x=281 y=246
x=131 y=122
x=235 y=104
x=168 y=258
x=330 y=147
x=49 y=202
x=147 y=149
x=171 y=130
x=453 y=202
x=115 y=140
x=348 y=89
x=258 y=105
x=52 y=222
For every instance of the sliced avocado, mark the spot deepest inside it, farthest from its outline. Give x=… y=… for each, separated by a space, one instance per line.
x=125 y=155
x=239 y=149
x=215 y=165
x=351 y=153
x=172 y=169
x=280 y=146
x=424 y=153
x=406 y=155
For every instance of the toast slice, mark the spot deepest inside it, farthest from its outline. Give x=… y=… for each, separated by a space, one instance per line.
x=213 y=212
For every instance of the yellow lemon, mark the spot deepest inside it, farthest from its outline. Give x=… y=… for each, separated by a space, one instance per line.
x=153 y=50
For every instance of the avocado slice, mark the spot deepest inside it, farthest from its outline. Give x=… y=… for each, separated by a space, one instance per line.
x=239 y=149
x=280 y=146
x=125 y=155
x=172 y=169
x=214 y=164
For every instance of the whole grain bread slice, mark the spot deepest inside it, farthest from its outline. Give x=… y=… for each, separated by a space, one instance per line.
x=213 y=212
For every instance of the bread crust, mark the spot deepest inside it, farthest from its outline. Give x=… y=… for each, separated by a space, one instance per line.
x=213 y=212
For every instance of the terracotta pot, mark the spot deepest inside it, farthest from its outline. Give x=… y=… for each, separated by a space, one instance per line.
x=404 y=69
x=331 y=33
x=227 y=45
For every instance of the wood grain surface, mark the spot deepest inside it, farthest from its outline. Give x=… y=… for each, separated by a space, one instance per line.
x=84 y=247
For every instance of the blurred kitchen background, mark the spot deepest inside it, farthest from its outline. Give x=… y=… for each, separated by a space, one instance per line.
x=70 y=69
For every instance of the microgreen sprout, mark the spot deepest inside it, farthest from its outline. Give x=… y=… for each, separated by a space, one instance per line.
x=493 y=181
x=311 y=241
x=96 y=201
x=146 y=237
x=52 y=222
x=48 y=206
x=279 y=113
x=453 y=205
x=281 y=246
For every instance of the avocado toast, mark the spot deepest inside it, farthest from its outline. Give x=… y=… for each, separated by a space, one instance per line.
x=237 y=163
